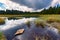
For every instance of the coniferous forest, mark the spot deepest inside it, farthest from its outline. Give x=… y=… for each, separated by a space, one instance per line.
x=51 y=10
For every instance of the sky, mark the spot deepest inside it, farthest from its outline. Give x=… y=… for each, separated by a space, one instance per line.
x=27 y=5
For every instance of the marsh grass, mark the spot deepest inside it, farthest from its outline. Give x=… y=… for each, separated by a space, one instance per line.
x=50 y=17
x=2 y=37
x=54 y=20
x=47 y=37
x=56 y=25
x=2 y=21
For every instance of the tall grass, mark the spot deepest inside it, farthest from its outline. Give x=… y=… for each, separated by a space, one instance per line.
x=2 y=21
x=54 y=20
x=2 y=37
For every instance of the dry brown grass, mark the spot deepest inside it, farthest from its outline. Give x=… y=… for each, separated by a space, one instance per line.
x=2 y=20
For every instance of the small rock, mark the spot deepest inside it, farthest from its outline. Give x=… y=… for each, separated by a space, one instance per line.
x=20 y=31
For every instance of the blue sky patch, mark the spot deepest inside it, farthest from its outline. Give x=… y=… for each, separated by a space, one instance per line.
x=2 y=5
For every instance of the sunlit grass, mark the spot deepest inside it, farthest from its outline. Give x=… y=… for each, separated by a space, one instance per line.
x=54 y=20
x=2 y=20
x=47 y=17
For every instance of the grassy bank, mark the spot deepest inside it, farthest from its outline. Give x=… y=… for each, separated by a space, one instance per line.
x=2 y=20
x=2 y=37
x=53 y=20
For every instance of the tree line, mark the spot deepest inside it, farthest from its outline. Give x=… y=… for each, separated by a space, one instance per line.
x=51 y=10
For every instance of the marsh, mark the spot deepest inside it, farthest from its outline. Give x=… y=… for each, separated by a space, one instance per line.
x=33 y=30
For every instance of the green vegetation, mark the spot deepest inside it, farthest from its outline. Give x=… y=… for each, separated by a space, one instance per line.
x=53 y=20
x=51 y=10
x=54 y=17
x=16 y=13
x=2 y=37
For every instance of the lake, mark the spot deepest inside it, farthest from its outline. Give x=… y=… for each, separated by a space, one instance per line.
x=32 y=31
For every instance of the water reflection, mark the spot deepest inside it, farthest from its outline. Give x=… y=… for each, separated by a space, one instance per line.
x=31 y=33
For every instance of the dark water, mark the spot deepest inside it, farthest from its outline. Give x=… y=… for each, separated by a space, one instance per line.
x=30 y=33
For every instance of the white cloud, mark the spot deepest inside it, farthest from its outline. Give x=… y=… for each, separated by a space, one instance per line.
x=16 y=6
x=11 y=5
x=55 y=2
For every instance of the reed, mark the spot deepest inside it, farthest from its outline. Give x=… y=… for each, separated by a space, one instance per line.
x=2 y=37
x=2 y=21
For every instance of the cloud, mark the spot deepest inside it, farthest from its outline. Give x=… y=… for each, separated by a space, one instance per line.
x=55 y=2
x=2 y=6
x=15 y=6
x=29 y=5
x=35 y=4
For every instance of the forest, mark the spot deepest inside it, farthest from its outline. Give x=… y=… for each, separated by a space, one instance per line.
x=51 y=10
